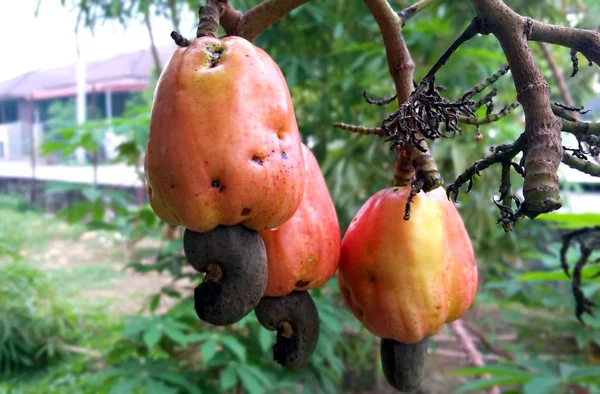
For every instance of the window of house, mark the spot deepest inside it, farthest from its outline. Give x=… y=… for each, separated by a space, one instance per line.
x=8 y=111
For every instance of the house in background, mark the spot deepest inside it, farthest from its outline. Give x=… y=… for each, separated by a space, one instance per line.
x=24 y=100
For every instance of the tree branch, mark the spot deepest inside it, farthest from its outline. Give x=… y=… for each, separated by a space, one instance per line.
x=489 y=118
x=558 y=76
x=414 y=9
x=581 y=129
x=400 y=63
x=473 y=355
x=586 y=42
x=257 y=19
x=485 y=342
x=584 y=166
x=500 y=154
x=401 y=68
x=544 y=151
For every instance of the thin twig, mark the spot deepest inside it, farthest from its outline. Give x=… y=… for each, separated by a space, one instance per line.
x=489 y=118
x=500 y=154
x=486 y=82
x=485 y=342
x=471 y=31
x=414 y=9
x=378 y=131
x=473 y=355
x=558 y=75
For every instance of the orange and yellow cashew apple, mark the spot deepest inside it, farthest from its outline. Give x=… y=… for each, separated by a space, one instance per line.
x=303 y=253
x=224 y=146
x=403 y=279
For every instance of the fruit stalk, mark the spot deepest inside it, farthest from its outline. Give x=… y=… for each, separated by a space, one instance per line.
x=209 y=19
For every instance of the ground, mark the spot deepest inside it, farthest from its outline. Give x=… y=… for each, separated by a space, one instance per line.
x=90 y=265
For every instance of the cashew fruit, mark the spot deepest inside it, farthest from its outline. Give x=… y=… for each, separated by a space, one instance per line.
x=224 y=146
x=303 y=253
x=403 y=279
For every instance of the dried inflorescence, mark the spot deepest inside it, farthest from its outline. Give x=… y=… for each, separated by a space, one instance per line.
x=424 y=113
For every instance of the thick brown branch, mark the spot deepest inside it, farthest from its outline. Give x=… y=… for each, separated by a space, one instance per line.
x=542 y=128
x=231 y=19
x=586 y=42
x=257 y=19
x=400 y=63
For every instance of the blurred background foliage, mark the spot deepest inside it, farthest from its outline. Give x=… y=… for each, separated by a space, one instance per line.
x=53 y=339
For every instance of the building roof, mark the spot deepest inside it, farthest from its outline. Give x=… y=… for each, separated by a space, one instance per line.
x=124 y=72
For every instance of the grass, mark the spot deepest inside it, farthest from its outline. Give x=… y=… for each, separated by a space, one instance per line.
x=85 y=269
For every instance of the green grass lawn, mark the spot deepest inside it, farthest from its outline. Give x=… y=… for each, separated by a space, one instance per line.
x=85 y=272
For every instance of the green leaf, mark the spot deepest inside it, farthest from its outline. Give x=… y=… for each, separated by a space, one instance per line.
x=249 y=381
x=228 y=377
x=571 y=221
x=544 y=385
x=584 y=373
x=266 y=339
x=263 y=378
x=557 y=275
x=175 y=334
x=124 y=386
x=492 y=370
x=152 y=336
x=153 y=386
x=154 y=302
x=487 y=383
x=235 y=347
x=208 y=350
x=179 y=380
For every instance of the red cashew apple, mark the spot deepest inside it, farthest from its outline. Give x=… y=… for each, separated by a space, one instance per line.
x=224 y=146
x=403 y=279
x=303 y=253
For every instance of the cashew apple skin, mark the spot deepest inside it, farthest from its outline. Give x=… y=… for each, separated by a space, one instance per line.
x=403 y=279
x=224 y=146
x=303 y=253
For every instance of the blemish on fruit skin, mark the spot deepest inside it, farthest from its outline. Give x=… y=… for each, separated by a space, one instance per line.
x=370 y=277
x=217 y=185
x=302 y=283
x=258 y=160
x=246 y=211
x=284 y=155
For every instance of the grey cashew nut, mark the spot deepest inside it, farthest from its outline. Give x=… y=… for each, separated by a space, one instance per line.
x=296 y=319
x=234 y=259
x=403 y=364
